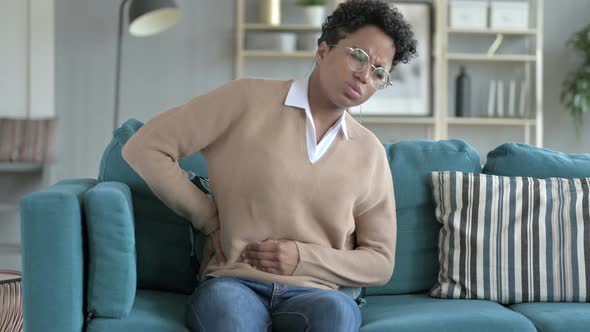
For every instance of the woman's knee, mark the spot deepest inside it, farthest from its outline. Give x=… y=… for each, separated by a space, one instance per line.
x=221 y=304
x=338 y=305
x=220 y=292
x=318 y=311
x=335 y=310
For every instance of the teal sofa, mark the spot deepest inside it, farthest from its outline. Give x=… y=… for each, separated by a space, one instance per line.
x=60 y=272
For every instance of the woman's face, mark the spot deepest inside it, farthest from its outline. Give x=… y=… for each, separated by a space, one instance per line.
x=343 y=86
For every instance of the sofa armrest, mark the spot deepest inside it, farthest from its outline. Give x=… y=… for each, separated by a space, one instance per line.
x=112 y=272
x=53 y=257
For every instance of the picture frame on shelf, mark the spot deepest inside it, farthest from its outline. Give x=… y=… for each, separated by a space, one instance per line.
x=411 y=92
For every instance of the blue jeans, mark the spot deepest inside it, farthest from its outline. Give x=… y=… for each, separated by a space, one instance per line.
x=236 y=304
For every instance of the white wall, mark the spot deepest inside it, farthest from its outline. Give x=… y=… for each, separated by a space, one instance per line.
x=562 y=19
x=158 y=72
x=26 y=90
x=27 y=59
x=14 y=64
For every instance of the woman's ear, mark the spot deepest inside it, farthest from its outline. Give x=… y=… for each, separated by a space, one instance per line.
x=322 y=52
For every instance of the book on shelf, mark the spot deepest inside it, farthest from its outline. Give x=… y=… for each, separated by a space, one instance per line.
x=492 y=98
x=500 y=103
x=512 y=99
x=523 y=99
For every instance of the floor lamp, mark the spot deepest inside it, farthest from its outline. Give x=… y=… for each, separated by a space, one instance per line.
x=146 y=18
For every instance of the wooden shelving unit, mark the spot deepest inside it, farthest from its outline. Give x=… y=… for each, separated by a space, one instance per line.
x=532 y=61
x=440 y=121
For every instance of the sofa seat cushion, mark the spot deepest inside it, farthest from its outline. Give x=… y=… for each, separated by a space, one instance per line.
x=419 y=312
x=153 y=311
x=559 y=316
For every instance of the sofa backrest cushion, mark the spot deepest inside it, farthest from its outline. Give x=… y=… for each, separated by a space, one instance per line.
x=166 y=245
x=411 y=163
x=518 y=159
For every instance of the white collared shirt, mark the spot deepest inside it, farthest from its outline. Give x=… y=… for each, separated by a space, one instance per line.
x=297 y=97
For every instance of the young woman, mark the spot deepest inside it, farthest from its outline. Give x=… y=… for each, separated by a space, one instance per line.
x=303 y=197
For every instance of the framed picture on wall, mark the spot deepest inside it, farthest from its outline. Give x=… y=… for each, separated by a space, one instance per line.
x=410 y=94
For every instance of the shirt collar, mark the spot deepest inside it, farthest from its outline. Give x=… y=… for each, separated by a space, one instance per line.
x=297 y=97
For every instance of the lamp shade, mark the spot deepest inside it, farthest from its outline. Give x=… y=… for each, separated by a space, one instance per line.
x=148 y=17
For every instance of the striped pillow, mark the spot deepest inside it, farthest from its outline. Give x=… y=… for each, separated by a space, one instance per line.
x=512 y=239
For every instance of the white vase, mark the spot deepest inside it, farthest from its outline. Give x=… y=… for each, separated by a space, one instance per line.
x=288 y=42
x=315 y=15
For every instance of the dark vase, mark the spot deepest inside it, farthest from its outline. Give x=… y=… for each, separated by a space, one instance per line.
x=463 y=94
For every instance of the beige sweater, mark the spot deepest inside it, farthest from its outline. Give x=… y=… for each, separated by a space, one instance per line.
x=340 y=211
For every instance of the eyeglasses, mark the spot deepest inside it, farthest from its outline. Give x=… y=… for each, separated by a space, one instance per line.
x=358 y=60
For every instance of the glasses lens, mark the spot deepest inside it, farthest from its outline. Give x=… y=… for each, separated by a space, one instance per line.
x=358 y=59
x=380 y=78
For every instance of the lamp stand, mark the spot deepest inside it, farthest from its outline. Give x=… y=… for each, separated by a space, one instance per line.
x=118 y=65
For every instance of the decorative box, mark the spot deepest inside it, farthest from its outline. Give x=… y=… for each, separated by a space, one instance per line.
x=468 y=14
x=509 y=15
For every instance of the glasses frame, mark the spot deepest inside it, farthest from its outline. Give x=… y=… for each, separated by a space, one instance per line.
x=351 y=49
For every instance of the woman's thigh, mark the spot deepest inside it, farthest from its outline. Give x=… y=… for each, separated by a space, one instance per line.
x=226 y=304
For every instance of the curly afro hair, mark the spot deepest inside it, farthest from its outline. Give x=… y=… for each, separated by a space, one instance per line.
x=352 y=15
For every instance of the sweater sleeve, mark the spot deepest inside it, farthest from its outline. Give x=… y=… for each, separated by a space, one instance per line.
x=371 y=262
x=153 y=151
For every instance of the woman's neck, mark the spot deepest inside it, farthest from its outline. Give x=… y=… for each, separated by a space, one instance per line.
x=322 y=109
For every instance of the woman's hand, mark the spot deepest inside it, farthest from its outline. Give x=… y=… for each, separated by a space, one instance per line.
x=212 y=248
x=273 y=256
